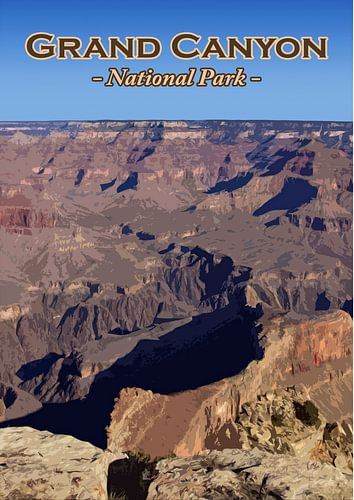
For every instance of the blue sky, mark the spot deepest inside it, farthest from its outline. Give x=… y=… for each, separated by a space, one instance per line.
x=62 y=90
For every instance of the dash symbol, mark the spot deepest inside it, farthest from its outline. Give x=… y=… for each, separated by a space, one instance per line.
x=97 y=79
x=255 y=78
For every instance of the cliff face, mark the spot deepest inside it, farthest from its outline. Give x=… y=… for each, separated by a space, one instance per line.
x=313 y=355
x=11 y=217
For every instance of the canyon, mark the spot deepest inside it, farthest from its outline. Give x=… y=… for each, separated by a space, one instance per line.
x=181 y=289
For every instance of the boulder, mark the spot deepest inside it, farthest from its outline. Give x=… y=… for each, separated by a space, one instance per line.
x=38 y=464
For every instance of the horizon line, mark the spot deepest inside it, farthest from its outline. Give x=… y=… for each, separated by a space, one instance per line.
x=62 y=120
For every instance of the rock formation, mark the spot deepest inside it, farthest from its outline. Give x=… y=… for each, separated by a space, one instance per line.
x=246 y=475
x=45 y=466
x=179 y=282
x=192 y=421
x=40 y=465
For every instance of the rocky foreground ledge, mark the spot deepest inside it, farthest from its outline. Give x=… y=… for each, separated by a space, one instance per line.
x=40 y=465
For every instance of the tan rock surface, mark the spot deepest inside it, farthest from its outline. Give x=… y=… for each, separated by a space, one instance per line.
x=44 y=466
x=247 y=474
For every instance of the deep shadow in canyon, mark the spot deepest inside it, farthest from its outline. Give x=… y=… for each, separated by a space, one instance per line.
x=186 y=358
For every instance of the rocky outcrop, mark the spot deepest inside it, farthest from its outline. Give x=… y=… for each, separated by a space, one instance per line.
x=303 y=292
x=17 y=210
x=314 y=354
x=41 y=465
x=38 y=464
x=27 y=217
x=247 y=474
x=331 y=224
x=15 y=402
x=286 y=422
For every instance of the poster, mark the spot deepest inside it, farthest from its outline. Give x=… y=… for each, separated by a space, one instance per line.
x=176 y=250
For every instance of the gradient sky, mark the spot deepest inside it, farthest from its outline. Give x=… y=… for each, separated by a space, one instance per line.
x=61 y=90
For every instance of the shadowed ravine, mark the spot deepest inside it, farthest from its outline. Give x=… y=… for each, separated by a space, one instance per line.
x=182 y=359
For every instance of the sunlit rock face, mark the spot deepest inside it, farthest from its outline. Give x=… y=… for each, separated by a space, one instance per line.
x=312 y=356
